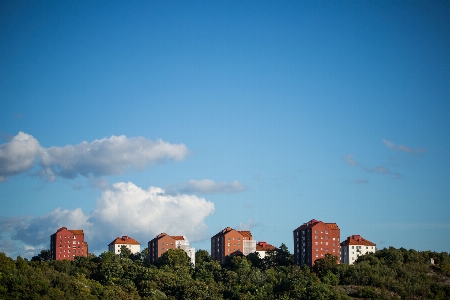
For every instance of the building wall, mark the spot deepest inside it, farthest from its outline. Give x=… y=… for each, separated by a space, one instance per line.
x=159 y=245
x=350 y=253
x=231 y=242
x=66 y=245
x=315 y=241
x=116 y=248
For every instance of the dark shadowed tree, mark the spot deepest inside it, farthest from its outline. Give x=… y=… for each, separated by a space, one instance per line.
x=45 y=255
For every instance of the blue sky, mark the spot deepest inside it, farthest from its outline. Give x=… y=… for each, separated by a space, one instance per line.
x=187 y=117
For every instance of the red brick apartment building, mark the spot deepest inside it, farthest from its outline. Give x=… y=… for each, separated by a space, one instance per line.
x=66 y=244
x=231 y=242
x=313 y=240
x=164 y=242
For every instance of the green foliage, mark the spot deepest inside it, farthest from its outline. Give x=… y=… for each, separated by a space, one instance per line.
x=125 y=252
x=387 y=274
x=45 y=255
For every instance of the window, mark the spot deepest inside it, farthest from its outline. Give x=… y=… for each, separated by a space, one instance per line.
x=326 y=231
x=317 y=255
x=316 y=231
x=317 y=249
x=326 y=243
x=239 y=239
x=367 y=247
x=229 y=239
x=326 y=237
x=317 y=243
x=353 y=247
x=317 y=237
x=326 y=249
x=229 y=244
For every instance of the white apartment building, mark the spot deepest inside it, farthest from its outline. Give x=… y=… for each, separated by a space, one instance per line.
x=127 y=241
x=355 y=246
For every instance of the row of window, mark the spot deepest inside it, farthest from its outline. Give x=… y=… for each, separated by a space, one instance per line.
x=60 y=251
x=68 y=237
x=359 y=247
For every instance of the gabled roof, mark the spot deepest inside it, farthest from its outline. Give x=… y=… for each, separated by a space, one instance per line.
x=76 y=231
x=245 y=233
x=314 y=222
x=357 y=240
x=124 y=240
x=263 y=246
x=332 y=225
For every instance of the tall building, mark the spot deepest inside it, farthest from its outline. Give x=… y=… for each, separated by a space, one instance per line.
x=130 y=243
x=164 y=242
x=262 y=248
x=355 y=246
x=231 y=242
x=313 y=240
x=66 y=244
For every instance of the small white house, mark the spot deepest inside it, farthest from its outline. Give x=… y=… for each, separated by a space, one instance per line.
x=127 y=241
x=262 y=248
x=355 y=246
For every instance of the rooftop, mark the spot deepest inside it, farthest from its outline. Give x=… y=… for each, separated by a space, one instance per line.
x=356 y=239
x=126 y=240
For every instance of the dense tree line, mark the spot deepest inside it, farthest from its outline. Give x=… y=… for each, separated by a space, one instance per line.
x=387 y=274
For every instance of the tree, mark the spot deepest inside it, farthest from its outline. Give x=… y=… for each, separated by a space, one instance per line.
x=322 y=265
x=125 y=252
x=279 y=258
x=202 y=256
x=45 y=255
x=175 y=259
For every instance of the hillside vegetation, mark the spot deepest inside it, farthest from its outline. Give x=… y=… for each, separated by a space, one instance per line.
x=387 y=274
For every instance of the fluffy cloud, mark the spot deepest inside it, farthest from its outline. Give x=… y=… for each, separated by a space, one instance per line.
x=108 y=156
x=122 y=209
x=36 y=231
x=208 y=186
x=18 y=155
x=402 y=148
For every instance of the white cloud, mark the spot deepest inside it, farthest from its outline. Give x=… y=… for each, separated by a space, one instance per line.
x=350 y=161
x=122 y=209
x=208 y=186
x=247 y=226
x=37 y=231
x=18 y=155
x=403 y=148
x=107 y=156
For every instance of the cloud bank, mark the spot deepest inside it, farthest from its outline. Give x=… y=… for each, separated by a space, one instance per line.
x=208 y=186
x=107 y=156
x=122 y=209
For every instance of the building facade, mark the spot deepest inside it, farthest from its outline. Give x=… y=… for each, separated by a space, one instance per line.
x=231 y=242
x=262 y=248
x=315 y=239
x=66 y=244
x=164 y=242
x=130 y=243
x=355 y=246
